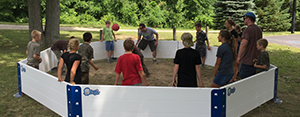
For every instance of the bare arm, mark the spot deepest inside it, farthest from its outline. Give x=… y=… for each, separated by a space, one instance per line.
x=217 y=65
x=64 y=51
x=141 y=73
x=102 y=37
x=139 y=38
x=37 y=57
x=26 y=52
x=242 y=49
x=114 y=37
x=207 y=44
x=198 y=70
x=60 y=65
x=117 y=78
x=73 y=71
x=260 y=66
x=156 y=39
x=92 y=63
x=175 y=70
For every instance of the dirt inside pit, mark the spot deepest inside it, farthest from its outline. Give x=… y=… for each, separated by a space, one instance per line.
x=161 y=74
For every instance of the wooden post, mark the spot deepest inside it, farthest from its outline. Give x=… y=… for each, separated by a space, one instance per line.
x=174 y=33
x=100 y=35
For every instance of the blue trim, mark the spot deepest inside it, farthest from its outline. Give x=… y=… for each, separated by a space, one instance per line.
x=74 y=101
x=19 y=94
x=275 y=99
x=218 y=103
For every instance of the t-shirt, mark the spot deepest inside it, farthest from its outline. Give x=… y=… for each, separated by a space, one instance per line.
x=263 y=59
x=69 y=59
x=129 y=65
x=60 y=45
x=225 y=53
x=187 y=59
x=148 y=35
x=86 y=52
x=108 y=34
x=234 y=33
x=252 y=33
x=136 y=51
x=201 y=38
x=33 y=48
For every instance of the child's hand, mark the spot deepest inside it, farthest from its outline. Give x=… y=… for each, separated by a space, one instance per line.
x=72 y=82
x=40 y=60
x=208 y=47
x=254 y=60
x=147 y=84
x=59 y=79
x=174 y=83
x=96 y=68
x=115 y=40
x=101 y=40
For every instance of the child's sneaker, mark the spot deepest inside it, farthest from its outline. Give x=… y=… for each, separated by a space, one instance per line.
x=109 y=60
x=155 y=61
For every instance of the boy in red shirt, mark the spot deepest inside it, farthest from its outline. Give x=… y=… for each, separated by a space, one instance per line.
x=130 y=66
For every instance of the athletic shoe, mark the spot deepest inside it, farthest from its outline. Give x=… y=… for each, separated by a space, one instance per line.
x=202 y=66
x=155 y=61
x=109 y=60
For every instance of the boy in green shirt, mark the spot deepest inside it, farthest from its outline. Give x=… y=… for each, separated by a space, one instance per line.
x=109 y=40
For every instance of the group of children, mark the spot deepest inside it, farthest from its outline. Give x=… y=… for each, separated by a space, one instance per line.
x=187 y=60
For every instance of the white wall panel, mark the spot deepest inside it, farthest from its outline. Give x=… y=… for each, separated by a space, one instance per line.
x=249 y=93
x=44 y=88
x=130 y=101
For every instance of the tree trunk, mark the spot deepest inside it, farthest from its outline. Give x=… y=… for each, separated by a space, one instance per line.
x=52 y=21
x=35 y=17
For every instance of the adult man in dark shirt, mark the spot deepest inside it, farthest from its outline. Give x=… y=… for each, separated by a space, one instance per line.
x=59 y=47
x=248 y=50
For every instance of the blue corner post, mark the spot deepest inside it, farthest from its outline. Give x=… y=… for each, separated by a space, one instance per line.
x=218 y=103
x=275 y=99
x=19 y=94
x=74 y=101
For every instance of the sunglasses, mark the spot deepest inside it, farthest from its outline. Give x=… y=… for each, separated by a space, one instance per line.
x=245 y=18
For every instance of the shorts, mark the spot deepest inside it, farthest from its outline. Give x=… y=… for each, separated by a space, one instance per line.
x=143 y=44
x=84 y=77
x=109 y=45
x=222 y=80
x=202 y=52
x=246 y=71
x=138 y=84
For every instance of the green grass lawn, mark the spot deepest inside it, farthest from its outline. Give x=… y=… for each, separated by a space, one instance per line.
x=13 y=45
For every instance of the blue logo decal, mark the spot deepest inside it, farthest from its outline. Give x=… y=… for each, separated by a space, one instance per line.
x=230 y=91
x=23 y=69
x=87 y=91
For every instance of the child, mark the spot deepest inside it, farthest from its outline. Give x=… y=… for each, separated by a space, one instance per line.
x=226 y=55
x=263 y=62
x=72 y=60
x=59 y=47
x=33 y=50
x=138 y=52
x=109 y=41
x=130 y=66
x=87 y=53
x=187 y=64
x=200 y=39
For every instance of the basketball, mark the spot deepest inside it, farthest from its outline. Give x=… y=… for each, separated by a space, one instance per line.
x=115 y=27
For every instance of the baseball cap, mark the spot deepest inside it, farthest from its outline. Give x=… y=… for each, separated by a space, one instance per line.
x=250 y=14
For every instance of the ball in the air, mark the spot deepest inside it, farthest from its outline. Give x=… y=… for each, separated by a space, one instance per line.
x=115 y=27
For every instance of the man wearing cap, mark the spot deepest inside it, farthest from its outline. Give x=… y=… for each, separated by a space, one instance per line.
x=248 y=50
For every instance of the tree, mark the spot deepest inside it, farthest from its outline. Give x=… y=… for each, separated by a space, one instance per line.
x=225 y=9
x=52 y=20
x=271 y=15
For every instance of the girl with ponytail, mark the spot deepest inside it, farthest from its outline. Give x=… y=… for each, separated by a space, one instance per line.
x=226 y=56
